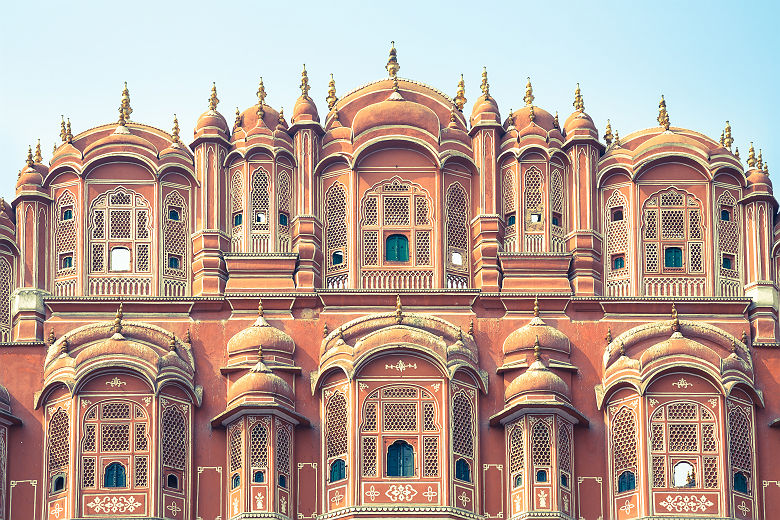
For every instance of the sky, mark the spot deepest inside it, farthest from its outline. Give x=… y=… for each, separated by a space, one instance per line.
x=713 y=61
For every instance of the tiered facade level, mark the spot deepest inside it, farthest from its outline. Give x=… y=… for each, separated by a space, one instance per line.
x=402 y=311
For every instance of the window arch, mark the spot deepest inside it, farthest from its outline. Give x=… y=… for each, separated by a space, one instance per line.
x=7 y=284
x=283 y=455
x=258 y=446
x=284 y=205
x=740 y=449
x=457 y=236
x=58 y=451
x=235 y=448
x=237 y=211
x=624 y=449
x=338 y=470
x=564 y=454
x=115 y=476
x=462 y=470
x=517 y=454
x=541 y=448
x=336 y=237
x=397 y=248
x=533 y=210
x=65 y=233
x=557 y=229
x=175 y=260
x=261 y=216
x=400 y=459
x=508 y=190
x=616 y=226
x=336 y=426
x=673 y=231
x=728 y=241
x=463 y=425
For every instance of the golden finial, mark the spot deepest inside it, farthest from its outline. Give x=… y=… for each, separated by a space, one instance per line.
x=663 y=115
x=485 y=86
x=722 y=139
x=622 y=349
x=30 y=161
x=237 y=122
x=122 y=120
x=675 y=319
x=608 y=337
x=395 y=83
x=260 y=312
x=126 y=103
x=556 y=123
x=733 y=346
x=536 y=306
x=175 y=132
x=460 y=334
x=531 y=114
x=117 y=328
x=579 y=103
x=453 y=117
x=331 y=99
x=63 y=133
x=398 y=313
x=38 y=156
x=760 y=161
x=324 y=330
x=305 y=83
x=460 y=94
x=260 y=101
x=471 y=327
x=392 y=62
x=736 y=152
x=188 y=337
x=54 y=149
x=172 y=342
x=213 y=99
x=617 y=138
x=64 y=346
x=766 y=168
x=608 y=133
x=537 y=349
x=744 y=337
x=727 y=139
x=751 y=160
x=341 y=333
x=510 y=120
x=68 y=134
x=529 y=93
x=52 y=338
x=281 y=121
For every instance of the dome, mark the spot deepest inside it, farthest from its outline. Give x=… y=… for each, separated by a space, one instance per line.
x=305 y=110
x=29 y=176
x=396 y=110
x=121 y=136
x=670 y=138
x=210 y=121
x=536 y=331
x=485 y=108
x=677 y=345
x=261 y=335
x=537 y=379
x=532 y=129
x=578 y=120
x=5 y=399
x=757 y=180
x=249 y=118
x=542 y=118
x=259 y=380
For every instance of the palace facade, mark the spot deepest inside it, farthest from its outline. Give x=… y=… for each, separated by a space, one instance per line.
x=399 y=309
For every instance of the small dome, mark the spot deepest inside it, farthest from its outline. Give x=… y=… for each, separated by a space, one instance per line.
x=5 y=400
x=259 y=380
x=121 y=136
x=29 y=177
x=578 y=120
x=484 y=109
x=758 y=181
x=530 y=130
x=249 y=118
x=537 y=379
x=542 y=118
x=536 y=331
x=396 y=110
x=305 y=110
x=670 y=138
x=261 y=335
x=211 y=121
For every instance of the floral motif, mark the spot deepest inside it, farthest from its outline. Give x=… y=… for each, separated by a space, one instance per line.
x=372 y=493
x=401 y=366
x=259 y=501
x=682 y=383
x=430 y=494
x=174 y=508
x=627 y=507
x=686 y=503
x=283 y=505
x=464 y=499
x=542 y=496
x=56 y=510
x=115 y=504
x=653 y=402
x=115 y=382
x=401 y=493
x=744 y=508
x=336 y=498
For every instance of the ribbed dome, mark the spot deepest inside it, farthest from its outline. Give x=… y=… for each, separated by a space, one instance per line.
x=29 y=177
x=122 y=136
x=261 y=335
x=542 y=118
x=536 y=330
x=210 y=121
x=259 y=381
x=669 y=138
x=532 y=129
x=395 y=110
x=305 y=110
x=537 y=379
x=578 y=120
x=759 y=181
x=484 y=107
x=249 y=118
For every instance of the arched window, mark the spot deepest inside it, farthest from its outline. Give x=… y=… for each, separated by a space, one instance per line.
x=556 y=209
x=115 y=476
x=397 y=248
x=508 y=189
x=457 y=232
x=237 y=211
x=618 y=262
x=260 y=196
x=673 y=227
x=518 y=480
x=258 y=450
x=626 y=481
x=462 y=470
x=517 y=453
x=58 y=483
x=400 y=459
x=283 y=453
x=741 y=482
x=541 y=475
x=725 y=215
x=284 y=201
x=683 y=475
x=120 y=259
x=617 y=214
x=541 y=447
x=65 y=232
x=338 y=470
x=7 y=287
x=616 y=231
x=172 y=481
x=175 y=236
x=337 y=258
x=235 y=481
x=511 y=220
x=58 y=448
x=283 y=481
x=258 y=477
x=741 y=449
x=728 y=242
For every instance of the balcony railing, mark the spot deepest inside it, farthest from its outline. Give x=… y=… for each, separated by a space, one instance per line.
x=120 y=285
x=397 y=279
x=674 y=286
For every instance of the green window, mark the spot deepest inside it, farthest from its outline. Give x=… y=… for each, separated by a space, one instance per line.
x=397 y=248
x=673 y=257
x=400 y=460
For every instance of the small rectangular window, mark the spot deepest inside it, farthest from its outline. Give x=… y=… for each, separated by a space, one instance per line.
x=618 y=262
x=67 y=214
x=725 y=215
x=617 y=214
x=556 y=219
x=728 y=262
x=510 y=220
x=66 y=261
x=174 y=262
x=536 y=217
x=673 y=257
x=174 y=214
x=238 y=218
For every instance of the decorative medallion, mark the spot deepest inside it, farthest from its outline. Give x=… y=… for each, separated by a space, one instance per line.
x=401 y=366
x=682 y=383
x=430 y=494
x=115 y=382
x=686 y=503
x=114 y=504
x=372 y=493
x=401 y=493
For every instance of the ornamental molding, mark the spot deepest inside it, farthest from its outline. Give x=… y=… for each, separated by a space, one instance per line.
x=686 y=503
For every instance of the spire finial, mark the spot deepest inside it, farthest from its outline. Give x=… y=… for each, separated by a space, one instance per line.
x=172 y=342
x=117 y=329
x=213 y=99
x=617 y=138
x=556 y=123
x=395 y=83
x=324 y=330
x=531 y=114
x=260 y=101
x=392 y=62
x=398 y=312
x=237 y=122
x=122 y=121
x=736 y=153
x=281 y=121
x=460 y=94
x=30 y=161
x=126 y=103
x=722 y=139
x=608 y=133
x=536 y=306
x=453 y=117
x=675 y=319
x=727 y=139
x=52 y=337
x=733 y=346
x=260 y=312
x=331 y=99
x=63 y=133
x=537 y=349
x=766 y=168
x=485 y=86
x=622 y=349
x=529 y=93
x=305 y=83
x=760 y=161
x=188 y=337
x=510 y=119
x=38 y=156
x=579 y=103
x=663 y=115
x=744 y=337
x=608 y=337
x=751 y=160
x=68 y=134
x=175 y=132
x=471 y=327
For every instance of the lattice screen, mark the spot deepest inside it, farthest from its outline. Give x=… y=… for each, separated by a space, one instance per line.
x=235 y=448
x=564 y=448
x=463 y=425
x=174 y=438
x=6 y=289
x=258 y=445
x=509 y=204
x=336 y=426
x=740 y=441
x=624 y=441
x=237 y=207
x=534 y=202
x=175 y=237
x=556 y=205
x=516 y=448
x=65 y=232
x=728 y=237
x=457 y=232
x=3 y=466
x=284 y=202
x=540 y=443
x=283 y=450
x=336 y=227
x=673 y=218
x=59 y=442
x=617 y=233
